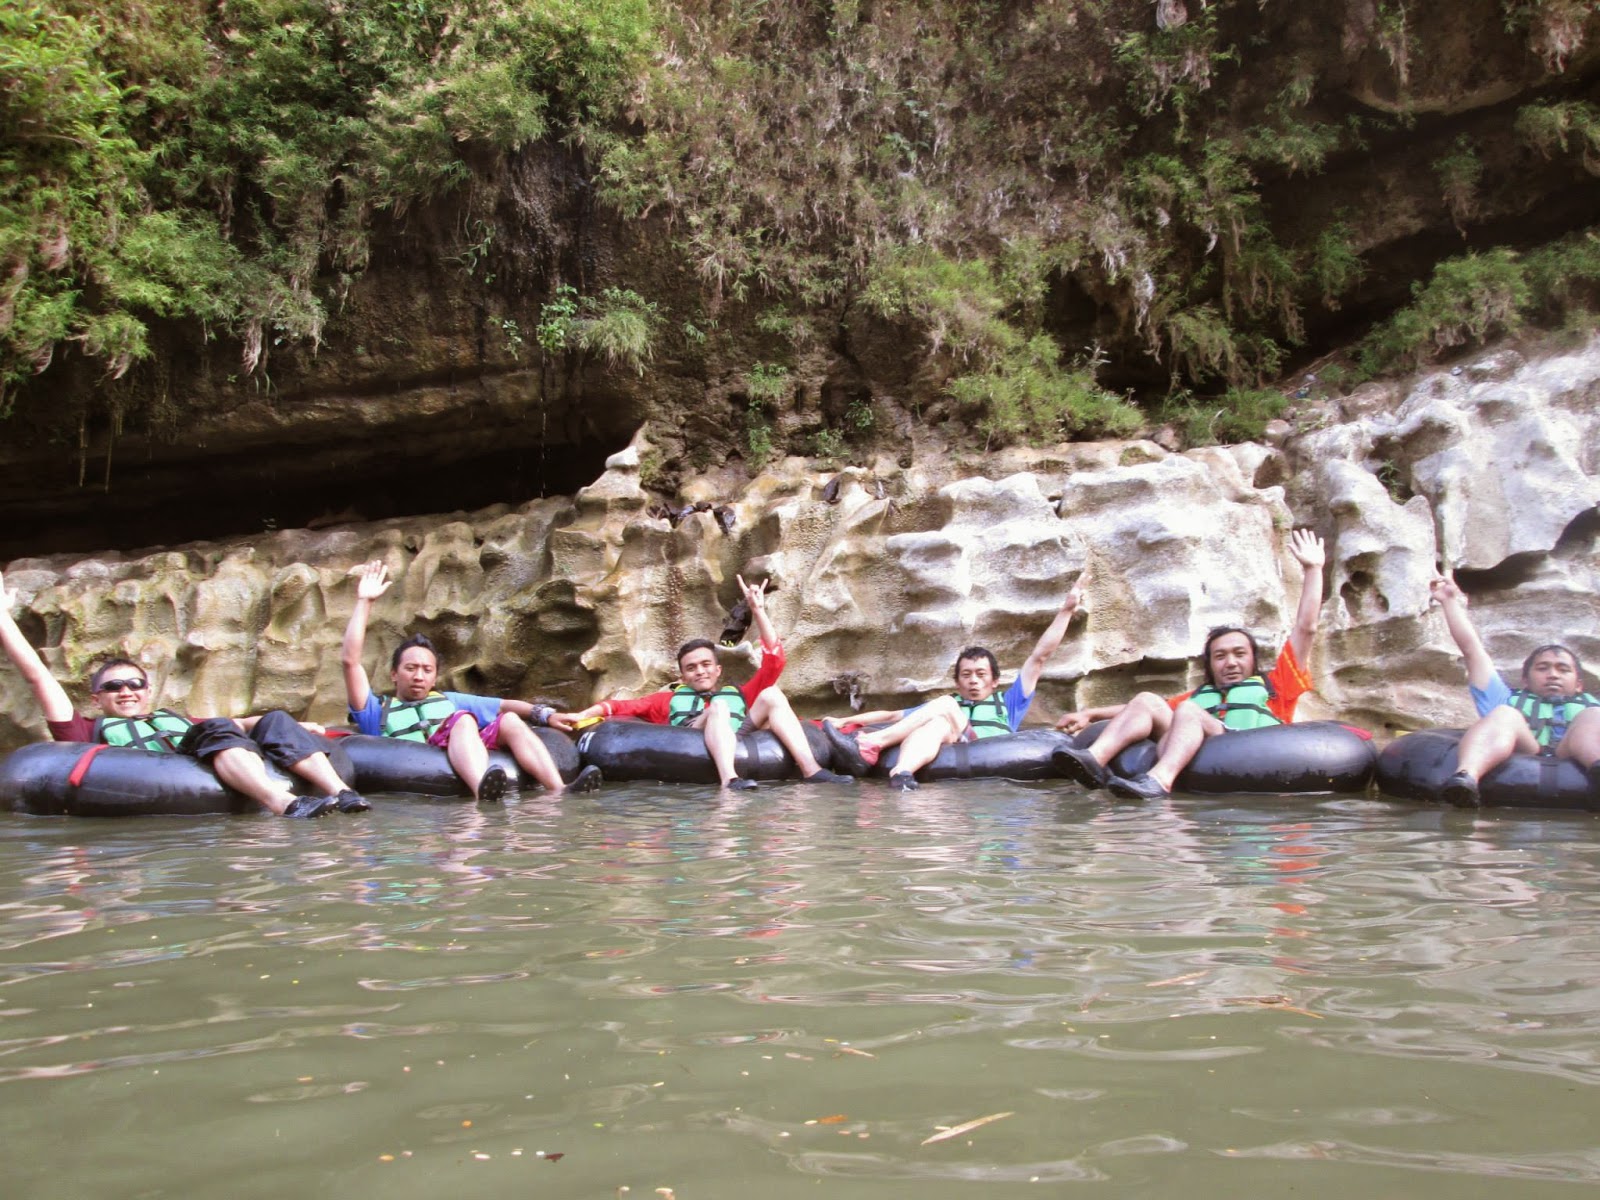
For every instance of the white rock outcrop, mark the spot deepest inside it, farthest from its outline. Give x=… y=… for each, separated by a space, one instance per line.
x=882 y=572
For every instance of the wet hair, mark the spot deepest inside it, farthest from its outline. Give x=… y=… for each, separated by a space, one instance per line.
x=1577 y=665
x=414 y=642
x=691 y=647
x=111 y=664
x=1223 y=631
x=972 y=652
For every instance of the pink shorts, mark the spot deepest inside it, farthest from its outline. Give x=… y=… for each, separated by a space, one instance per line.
x=490 y=733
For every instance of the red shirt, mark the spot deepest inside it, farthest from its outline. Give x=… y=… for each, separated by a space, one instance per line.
x=79 y=729
x=654 y=708
x=1287 y=680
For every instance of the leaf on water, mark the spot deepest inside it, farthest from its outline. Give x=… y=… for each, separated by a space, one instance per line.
x=964 y=1127
x=833 y=1119
x=1189 y=978
x=1281 y=1003
x=857 y=1053
x=555 y=1156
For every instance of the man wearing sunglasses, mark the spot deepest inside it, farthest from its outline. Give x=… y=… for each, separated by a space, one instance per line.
x=236 y=750
x=1237 y=694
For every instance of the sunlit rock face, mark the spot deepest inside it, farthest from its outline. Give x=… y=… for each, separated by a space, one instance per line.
x=881 y=572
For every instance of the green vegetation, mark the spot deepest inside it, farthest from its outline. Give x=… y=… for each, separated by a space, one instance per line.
x=1459 y=173
x=1478 y=296
x=1005 y=369
x=766 y=383
x=1237 y=415
x=1565 y=126
x=1022 y=193
x=618 y=324
x=177 y=159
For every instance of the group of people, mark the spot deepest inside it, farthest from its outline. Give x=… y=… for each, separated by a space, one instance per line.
x=1550 y=713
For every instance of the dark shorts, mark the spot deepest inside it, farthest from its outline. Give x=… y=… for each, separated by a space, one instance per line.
x=276 y=737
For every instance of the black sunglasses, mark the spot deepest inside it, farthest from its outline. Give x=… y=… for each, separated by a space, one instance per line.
x=124 y=685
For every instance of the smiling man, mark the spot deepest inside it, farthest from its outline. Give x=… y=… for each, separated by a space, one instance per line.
x=722 y=711
x=979 y=709
x=1549 y=715
x=1236 y=695
x=464 y=726
x=236 y=750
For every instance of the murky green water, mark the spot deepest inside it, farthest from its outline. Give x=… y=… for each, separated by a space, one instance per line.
x=787 y=994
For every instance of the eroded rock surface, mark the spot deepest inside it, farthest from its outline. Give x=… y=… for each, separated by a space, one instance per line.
x=882 y=572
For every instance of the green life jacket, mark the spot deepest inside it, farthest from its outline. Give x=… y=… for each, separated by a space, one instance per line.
x=159 y=733
x=415 y=720
x=1243 y=706
x=986 y=718
x=687 y=704
x=1549 y=720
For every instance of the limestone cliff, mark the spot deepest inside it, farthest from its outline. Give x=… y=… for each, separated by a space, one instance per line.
x=883 y=571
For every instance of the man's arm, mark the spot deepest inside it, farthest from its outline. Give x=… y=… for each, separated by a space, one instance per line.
x=1310 y=553
x=756 y=598
x=1050 y=642
x=51 y=696
x=1077 y=722
x=1452 y=601
x=881 y=716
x=372 y=581
x=654 y=708
x=536 y=714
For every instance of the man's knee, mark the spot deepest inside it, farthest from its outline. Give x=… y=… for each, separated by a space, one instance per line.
x=773 y=699
x=1504 y=719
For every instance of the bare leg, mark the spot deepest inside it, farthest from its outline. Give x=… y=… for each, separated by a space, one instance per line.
x=1190 y=726
x=1582 y=743
x=922 y=745
x=1493 y=739
x=1146 y=715
x=244 y=772
x=466 y=752
x=941 y=711
x=772 y=711
x=530 y=752
x=716 y=723
x=319 y=773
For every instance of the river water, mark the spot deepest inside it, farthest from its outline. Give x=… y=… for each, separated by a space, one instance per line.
x=654 y=992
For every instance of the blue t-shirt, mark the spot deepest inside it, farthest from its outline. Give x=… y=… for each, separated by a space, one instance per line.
x=370 y=719
x=1016 y=702
x=1491 y=697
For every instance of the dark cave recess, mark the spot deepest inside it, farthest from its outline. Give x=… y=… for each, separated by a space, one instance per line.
x=152 y=503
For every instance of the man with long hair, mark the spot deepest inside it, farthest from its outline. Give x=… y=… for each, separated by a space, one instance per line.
x=1237 y=694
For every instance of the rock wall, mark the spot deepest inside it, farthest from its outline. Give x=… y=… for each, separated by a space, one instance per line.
x=882 y=571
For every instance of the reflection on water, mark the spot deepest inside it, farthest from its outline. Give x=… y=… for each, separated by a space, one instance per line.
x=793 y=991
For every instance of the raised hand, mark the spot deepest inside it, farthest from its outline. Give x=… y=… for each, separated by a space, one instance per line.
x=372 y=580
x=1445 y=590
x=755 y=597
x=1307 y=549
x=1075 y=596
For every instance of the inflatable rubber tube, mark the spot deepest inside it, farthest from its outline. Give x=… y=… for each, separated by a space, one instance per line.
x=397 y=765
x=640 y=751
x=1023 y=755
x=123 y=782
x=1415 y=767
x=1312 y=756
